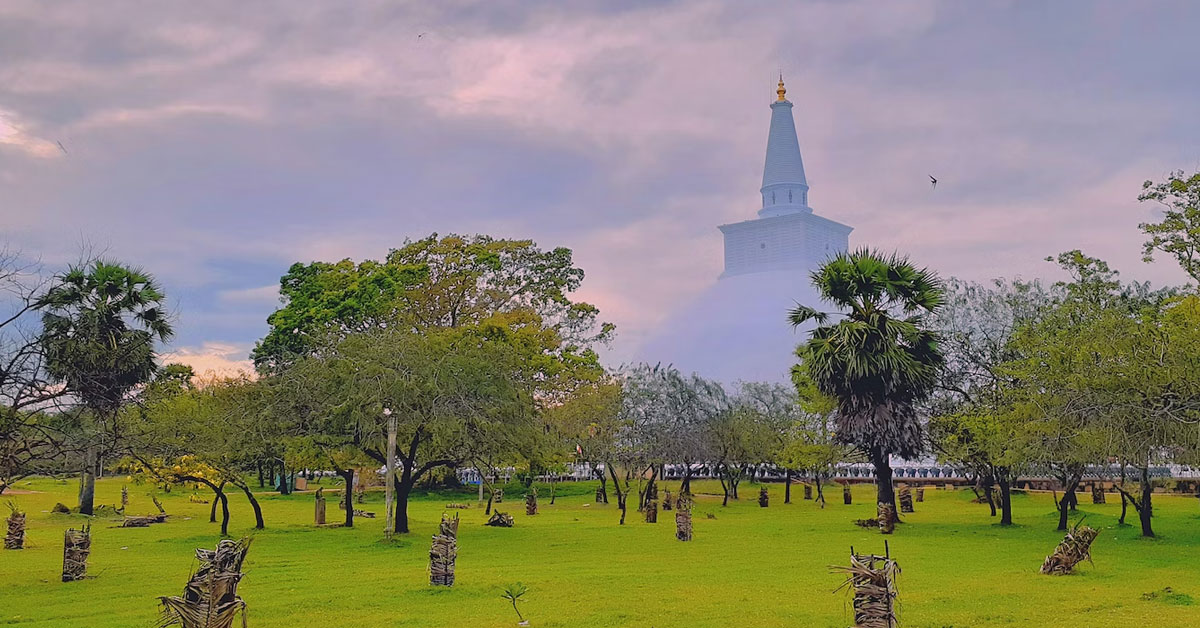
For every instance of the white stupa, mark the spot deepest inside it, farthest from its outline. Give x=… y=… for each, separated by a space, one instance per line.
x=738 y=329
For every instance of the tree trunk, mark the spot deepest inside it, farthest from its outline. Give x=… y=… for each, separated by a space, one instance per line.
x=1146 y=509
x=348 y=492
x=259 y=464
x=212 y=512
x=1064 y=504
x=1005 y=499
x=224 y=514
x=1124 y=508
x=404 y=486
x=885 y=492
x=603 y=483
x=722 y=473
x=258 y=516
x=787 y=486
x=87 y=487
x=991 y=497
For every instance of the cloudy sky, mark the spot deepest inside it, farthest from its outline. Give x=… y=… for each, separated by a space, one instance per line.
x=216 y=143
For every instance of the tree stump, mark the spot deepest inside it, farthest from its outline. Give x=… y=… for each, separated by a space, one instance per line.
x=683 y=518
x=124 y=497
x=158 y=505
x=1097 y=494
x=210 y=598
x=444 y=552
x=846 y=494
x=872 y=579
x=887 y=518
x=764 y=498
x=651 y=511
x=500 y=520
x=906 y=500
x=77 y=545
x=1075 y=548
x=599 y=495
x=319 y=508
x=920 y=493
x=498 y=496
x=808 y=491
x=531 y=503
x=15 y=538
x=666 y=505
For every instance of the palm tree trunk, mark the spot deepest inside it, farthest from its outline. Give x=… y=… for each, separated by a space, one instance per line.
x=885 y=492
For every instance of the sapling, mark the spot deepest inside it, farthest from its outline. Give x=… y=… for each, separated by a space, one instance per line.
x=512 y=593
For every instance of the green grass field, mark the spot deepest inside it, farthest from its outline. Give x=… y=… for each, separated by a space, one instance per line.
x=747 y=567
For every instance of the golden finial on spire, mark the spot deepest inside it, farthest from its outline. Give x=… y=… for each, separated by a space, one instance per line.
x=782 y=91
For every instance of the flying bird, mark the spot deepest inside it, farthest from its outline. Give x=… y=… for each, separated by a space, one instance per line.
x=933 y=182
x=61 y=147
x=420 y=35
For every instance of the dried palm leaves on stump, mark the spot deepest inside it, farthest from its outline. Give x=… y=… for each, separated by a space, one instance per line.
x=444 y=552
x=651 y=511
x=846 y=494
x=15 y=538
x=319 y=507
x=500 y=520
x=808 y=491
x=764 y=498
x=531 y=503
x=872 y=579
x=132 y=521
x=498 y=496
x=1097 y=494
x=210 y=599
x=667 y=503
x=920 y=494
x=887 y=518
x=1075 y=548
x=683 y=518
x=77 y=545
x=906 y=499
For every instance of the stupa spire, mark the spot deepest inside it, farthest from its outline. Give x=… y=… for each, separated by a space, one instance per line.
x=784 y=186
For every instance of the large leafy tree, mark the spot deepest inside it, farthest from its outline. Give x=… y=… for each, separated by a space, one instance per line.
x=443 y=388
x=973 y=424
x=879 y=360
x=435 y=282
x=99 y=328
x=1178 y=233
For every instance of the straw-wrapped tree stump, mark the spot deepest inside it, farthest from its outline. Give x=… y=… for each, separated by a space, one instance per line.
x=498 y=496
x=1075 y=548
x=651 y=511
x=872 y=579
x=14 y=539
x=1097 y=494
x=920 y=493
x=683 y=518
x=444 y=552
x=846 y=494
x=319 y=507
x=906 y=499
x=210 y=598
x=500 y=520
x=887 y=518
x=667 y=503
x=764 y=498
x=77 y=545
x=531 y=503
x=808 y=491
x=599 y=495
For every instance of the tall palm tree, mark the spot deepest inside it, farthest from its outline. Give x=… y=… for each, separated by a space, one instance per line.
x=878 y=360
x=99 y=325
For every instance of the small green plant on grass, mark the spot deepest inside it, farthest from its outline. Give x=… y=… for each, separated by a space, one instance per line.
x=512 y=593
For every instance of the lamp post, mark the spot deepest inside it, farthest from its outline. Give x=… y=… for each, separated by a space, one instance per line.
x=388 y=486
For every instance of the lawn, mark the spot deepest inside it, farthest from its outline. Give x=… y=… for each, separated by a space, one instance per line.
x=747 y=567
